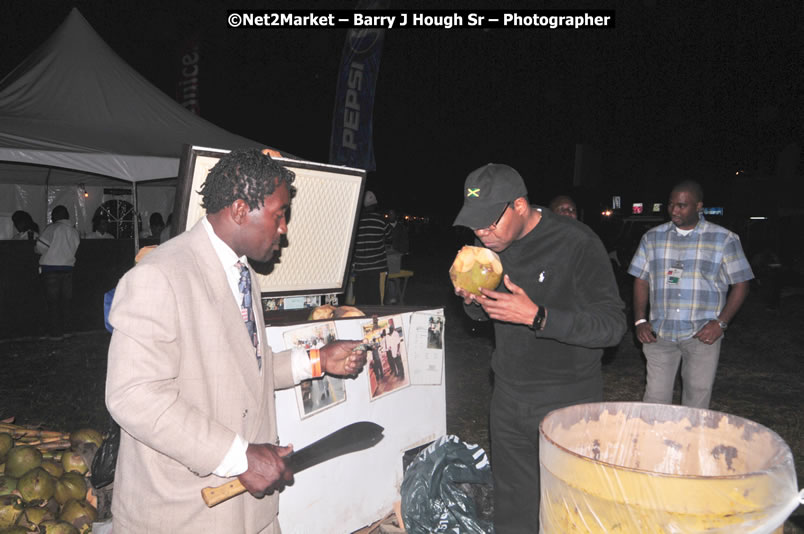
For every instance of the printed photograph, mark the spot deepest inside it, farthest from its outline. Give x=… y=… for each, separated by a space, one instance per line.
x=315 y=395
x=435 y=332
x=387 y=356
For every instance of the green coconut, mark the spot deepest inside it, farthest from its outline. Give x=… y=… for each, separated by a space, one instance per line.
x=6 y=443
x=53 y=467
x=73 y=461
x=475 y=268
x=85 y=435
x=52 y=526
x=70 y=486
x=80 y=514
x=7 y=485
x=33 y=516
x=20 y=460
x=55 y=526
x=16 y=530
x=11 y=509
x=36 y=485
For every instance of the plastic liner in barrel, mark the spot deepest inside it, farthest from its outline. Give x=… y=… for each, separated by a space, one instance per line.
x=636 y=467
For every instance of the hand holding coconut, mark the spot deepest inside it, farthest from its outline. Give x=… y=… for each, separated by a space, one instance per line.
x=514 y=307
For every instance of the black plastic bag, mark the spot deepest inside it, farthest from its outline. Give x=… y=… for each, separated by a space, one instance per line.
x=434 y=496
x=103 y=464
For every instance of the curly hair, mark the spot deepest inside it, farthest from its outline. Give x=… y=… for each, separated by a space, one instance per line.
x=246 y=174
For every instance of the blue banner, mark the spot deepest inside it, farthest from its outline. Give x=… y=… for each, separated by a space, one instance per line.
x=351 y=143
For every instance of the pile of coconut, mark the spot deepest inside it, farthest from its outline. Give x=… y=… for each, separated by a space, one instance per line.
x=44 y=480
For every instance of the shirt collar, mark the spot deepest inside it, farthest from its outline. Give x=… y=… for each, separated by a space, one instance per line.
x=699 y=227
x=225 y=254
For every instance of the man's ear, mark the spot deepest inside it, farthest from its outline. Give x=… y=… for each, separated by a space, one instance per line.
x=239 y=210
x=520 y=204
x=699 y=207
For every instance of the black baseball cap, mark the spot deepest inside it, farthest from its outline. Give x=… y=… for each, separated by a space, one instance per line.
x=485 y=194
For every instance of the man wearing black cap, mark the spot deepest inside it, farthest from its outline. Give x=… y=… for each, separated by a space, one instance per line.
x=555 y=310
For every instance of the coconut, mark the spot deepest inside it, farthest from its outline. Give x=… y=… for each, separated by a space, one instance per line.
x=7 y=485
x=56 y=527
x=70 y=486
x=53 y=467
x=73 y=461
x=6 y=443
x=475 y=268
x=322 y=312
x=33 y=515
x=11 y=508
x=20 y=460
x=16 y=530
x=342 y=312
x=85 y=435
x=79 y=514
x=36 y=485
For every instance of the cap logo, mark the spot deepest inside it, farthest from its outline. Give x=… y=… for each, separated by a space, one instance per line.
x=473 y=192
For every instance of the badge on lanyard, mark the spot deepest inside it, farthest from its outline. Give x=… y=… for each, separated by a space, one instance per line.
x=674 y=273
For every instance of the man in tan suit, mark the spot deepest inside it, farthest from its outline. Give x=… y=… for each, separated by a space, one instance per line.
x=191 y=377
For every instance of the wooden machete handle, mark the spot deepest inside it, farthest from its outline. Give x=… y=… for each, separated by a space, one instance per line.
x=224 y=492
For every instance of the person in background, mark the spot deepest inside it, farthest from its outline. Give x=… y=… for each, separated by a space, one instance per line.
x=100 y=228
x=398 y=238
x=167 y=231
x=397 y=244
x=370 y=257
x=155 y=226
x=191 y=375
x=685 y=268
x=57 y=245
x=25 y=226
x=564 y=205
x=555 y=310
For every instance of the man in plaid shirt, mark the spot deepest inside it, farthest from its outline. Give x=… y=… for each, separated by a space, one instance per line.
x=686 y=267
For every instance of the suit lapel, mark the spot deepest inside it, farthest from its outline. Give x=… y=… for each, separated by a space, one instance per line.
x=242 y=353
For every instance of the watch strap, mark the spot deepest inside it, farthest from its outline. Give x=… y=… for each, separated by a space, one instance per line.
x=538 y=321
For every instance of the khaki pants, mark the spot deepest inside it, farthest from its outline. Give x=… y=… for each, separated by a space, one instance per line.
x=698 y=367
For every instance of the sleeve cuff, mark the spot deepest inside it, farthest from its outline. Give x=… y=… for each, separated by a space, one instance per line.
x=300 y=365
x=235 y=462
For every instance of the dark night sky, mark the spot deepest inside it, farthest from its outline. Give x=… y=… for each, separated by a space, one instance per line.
x=678 y=89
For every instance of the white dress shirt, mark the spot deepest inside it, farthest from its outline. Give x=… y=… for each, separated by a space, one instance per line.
x=235 y=462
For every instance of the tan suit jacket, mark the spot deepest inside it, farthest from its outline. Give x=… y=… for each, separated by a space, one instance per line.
x=182 y=380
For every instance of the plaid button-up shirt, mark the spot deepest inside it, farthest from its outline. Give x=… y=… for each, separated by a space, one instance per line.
x=711 y=258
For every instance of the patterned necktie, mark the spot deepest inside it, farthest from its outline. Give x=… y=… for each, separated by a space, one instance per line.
x=247 y=310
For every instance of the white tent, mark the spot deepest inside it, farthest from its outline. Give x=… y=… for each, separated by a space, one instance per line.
x=75 y=104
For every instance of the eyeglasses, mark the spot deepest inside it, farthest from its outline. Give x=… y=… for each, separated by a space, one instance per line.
x=493 y=226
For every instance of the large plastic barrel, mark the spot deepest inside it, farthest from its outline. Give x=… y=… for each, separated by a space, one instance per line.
x=648 y=468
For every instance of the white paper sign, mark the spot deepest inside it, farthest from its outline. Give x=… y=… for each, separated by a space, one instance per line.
x=426 y=348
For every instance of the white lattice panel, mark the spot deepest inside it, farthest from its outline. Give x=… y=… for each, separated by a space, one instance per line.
x=319 y=233
x=322 y=219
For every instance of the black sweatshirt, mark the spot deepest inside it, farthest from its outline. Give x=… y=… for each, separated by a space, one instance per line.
x=562 y=265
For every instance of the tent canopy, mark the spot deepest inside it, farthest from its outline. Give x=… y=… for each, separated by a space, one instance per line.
x=75 y=104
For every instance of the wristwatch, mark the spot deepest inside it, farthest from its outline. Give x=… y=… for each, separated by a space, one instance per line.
x=722 y=324
x=538 y=321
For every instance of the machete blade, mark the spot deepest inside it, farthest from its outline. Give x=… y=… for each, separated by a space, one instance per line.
x=351 y=438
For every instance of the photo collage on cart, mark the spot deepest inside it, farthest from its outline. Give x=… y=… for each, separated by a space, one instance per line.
x=394 y=360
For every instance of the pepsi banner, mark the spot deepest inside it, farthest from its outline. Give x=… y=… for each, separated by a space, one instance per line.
x=351 y=142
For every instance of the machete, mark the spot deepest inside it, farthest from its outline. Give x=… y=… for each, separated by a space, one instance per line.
x=351 y=438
